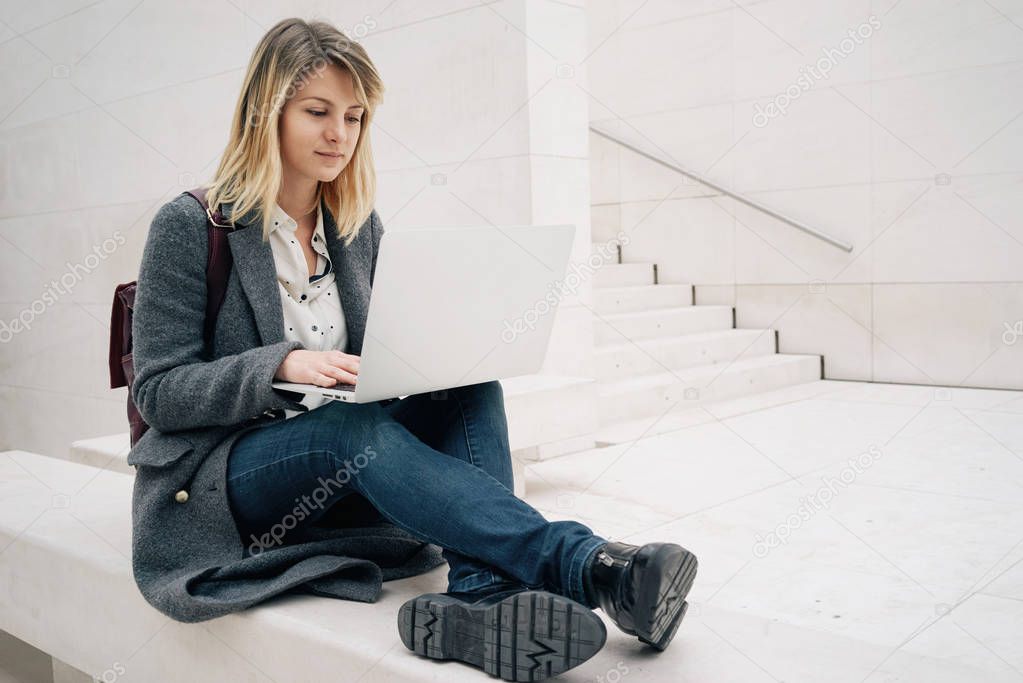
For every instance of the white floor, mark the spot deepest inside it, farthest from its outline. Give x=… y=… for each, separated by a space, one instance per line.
x=906 y=565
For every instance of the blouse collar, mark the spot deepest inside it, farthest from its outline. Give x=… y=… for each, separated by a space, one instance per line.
x=281 y=220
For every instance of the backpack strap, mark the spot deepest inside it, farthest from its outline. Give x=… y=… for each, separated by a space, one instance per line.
x=218 y=262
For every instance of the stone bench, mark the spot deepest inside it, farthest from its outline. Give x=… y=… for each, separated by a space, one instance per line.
x=67 y=589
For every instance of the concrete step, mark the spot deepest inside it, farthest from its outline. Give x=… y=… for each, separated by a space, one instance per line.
x=662 y=322
x=624 y=275
x=685 y=416
x=615 y=300
x=653 y=356
x=548 y=414
x=607 y=252
x=105 y=452
x=641 y=397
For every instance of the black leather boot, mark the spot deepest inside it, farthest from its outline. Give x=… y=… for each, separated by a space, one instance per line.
x=516 y=633
x=643 y=588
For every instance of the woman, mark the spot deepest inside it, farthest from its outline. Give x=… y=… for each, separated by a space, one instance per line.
x=243 y=492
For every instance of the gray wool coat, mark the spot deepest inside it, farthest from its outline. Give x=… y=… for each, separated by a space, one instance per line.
x=188 y=557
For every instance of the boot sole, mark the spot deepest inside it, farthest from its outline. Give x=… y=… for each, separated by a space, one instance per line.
x=528 y=636
x=664 y=600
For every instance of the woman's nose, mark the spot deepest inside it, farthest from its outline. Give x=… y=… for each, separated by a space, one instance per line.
x=335 y=132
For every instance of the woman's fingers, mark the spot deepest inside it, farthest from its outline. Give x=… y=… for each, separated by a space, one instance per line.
x=322 y=380
x=348 y=377
x=340 y=374
x=345 y=362
x=321 y=368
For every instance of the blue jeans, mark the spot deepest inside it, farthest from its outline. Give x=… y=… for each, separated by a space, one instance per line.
x=437 y=465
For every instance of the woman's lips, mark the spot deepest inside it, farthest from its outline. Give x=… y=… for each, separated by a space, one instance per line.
x=330 y=156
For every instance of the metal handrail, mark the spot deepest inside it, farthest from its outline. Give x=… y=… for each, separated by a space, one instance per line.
x=734 y=195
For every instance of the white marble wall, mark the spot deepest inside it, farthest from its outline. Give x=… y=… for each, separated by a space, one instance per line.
x=909 y=149
x=111 y=109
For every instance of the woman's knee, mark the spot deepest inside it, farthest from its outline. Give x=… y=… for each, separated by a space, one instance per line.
x=339 y=417
x=355 y=433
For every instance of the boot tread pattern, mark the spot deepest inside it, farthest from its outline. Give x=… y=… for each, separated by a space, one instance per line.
x=671 y=605
x=529 y=636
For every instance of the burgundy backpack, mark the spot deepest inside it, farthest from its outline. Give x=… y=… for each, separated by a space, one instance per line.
x=218 y=266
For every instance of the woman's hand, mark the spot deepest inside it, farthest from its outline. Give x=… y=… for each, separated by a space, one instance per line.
x=322 y=368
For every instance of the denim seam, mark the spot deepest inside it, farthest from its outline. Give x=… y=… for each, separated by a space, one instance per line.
x=271 y=464
x=470 y=437
x=466 y=422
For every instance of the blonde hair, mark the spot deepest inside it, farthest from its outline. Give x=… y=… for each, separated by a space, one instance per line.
x=250 y=175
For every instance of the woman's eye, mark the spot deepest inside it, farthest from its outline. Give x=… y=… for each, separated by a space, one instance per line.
x=350 y=119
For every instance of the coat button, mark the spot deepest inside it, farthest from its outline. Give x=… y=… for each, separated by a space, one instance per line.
x=181 y=496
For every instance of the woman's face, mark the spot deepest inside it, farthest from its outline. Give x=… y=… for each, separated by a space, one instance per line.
x=320 y=126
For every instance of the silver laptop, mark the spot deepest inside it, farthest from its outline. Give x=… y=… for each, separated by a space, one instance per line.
x=456 y=306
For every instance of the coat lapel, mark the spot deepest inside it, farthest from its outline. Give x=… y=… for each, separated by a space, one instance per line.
x=254 y=261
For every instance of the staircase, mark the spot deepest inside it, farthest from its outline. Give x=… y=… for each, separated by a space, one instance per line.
x=658 y=356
